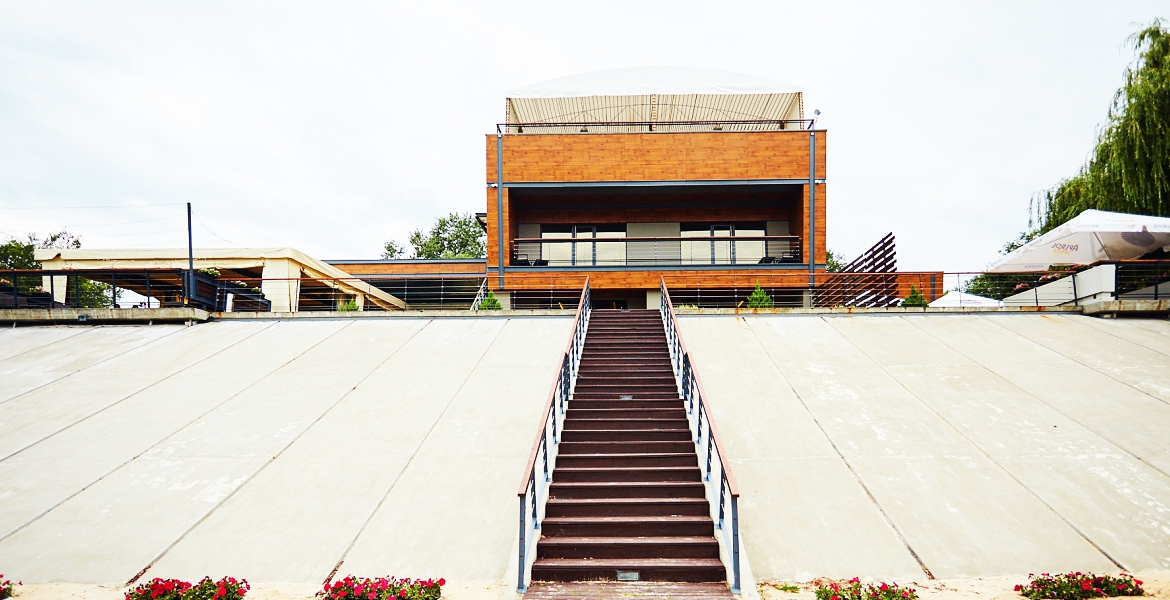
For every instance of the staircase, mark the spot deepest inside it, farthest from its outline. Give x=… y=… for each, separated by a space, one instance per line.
x=627 y=499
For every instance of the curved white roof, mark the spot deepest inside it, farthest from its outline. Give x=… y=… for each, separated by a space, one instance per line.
x=638 y=81
x=652 y=95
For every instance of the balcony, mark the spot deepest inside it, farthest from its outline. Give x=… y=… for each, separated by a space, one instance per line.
x=656 y=251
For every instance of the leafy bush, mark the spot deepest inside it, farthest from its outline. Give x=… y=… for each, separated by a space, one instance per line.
x=1079 y=586
x=490 y=302
x=6 y=587
x=760 y=299
x=159 y=589
x=228 y=588
x=348 y=306
x=915 y=299
x=382 y=588
x=853 y=590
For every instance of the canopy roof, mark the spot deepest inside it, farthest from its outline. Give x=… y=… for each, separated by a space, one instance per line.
x=655 y=94
x=1089 y=237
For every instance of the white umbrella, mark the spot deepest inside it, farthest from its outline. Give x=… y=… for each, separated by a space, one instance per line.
x=953 y=299
x=1089 y=237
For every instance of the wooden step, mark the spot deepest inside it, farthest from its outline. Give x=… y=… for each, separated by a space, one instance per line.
x=648 y=569
x=680 y=434
x=685 y=446
x=572 y=423
x=675 y=412
x=627 y=590
x=628 y=459
x=624 y=403
x=626 y=507
x=685 y=525
x=626 y=489
x=628 y=474
x=629 y=547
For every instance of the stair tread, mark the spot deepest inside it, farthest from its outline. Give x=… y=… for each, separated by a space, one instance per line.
x=645 y=563
x=627 y=500
x=563 y=540
x=631 y=519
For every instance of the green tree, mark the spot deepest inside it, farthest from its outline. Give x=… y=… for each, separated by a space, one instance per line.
x=915 y=298
x=1129 y=170
x=760 y=299
x=453 y=236
x=392 y=250
x=490 y=302
x=15 y=254
x=834 y=262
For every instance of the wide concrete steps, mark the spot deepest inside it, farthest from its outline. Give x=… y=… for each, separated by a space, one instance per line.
x=627 y=493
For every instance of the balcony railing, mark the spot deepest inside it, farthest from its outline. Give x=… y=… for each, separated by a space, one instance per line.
x=728 y=126
x=656 y=251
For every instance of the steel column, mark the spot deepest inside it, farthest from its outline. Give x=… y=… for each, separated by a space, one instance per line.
x=812 y=207
x=500 y=207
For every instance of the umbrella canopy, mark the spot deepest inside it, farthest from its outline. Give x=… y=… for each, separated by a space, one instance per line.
x=1089 y=237
x=955 y=299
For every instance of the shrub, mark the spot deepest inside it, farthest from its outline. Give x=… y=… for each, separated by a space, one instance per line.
x=1078 y=586
x=227 y=588
x=915 y=299
x=490 y=302
x=159 y=589
x=6 y=587
x=348 y=306
x=852 y=590
x=760 y=299
x=382 y=588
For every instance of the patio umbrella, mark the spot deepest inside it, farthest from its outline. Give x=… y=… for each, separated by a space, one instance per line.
x=1089 y=237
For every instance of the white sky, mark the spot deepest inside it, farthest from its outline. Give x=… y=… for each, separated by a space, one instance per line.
x=333 y=127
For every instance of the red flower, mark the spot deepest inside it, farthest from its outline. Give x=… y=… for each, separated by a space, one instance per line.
x=885 y=587
x=1085 y=586
x=1018 y=587
x=444 y=581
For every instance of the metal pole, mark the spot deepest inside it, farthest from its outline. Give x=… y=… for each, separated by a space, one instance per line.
x=520 y=587
x=735 y=543
x=500 y=207
x=190 y=257
x=148 y=290
x=812 y=206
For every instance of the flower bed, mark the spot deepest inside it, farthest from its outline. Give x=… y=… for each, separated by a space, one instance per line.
x=382 y=588
x=1079 y=586
x=6 y=587
x=228 y=588
x=853 y=590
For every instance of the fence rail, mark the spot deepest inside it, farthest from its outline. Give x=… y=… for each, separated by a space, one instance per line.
x=656 y=126
x=720 y=485
x=655 y=251
x=533 y=493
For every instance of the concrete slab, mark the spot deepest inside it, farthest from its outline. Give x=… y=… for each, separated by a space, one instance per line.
x=17 y=340
x=45 y=364
x=800 y=503
x=264 y=457
x=1121 y=359
x=1153 y=334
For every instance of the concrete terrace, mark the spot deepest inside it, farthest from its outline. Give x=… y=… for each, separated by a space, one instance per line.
x=971 y=445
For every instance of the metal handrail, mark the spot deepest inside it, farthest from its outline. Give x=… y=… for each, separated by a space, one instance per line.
x=479 y=296
x=724 y=490
x=533 y=492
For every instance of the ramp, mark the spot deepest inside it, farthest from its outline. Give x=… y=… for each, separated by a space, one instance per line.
x=959 y=446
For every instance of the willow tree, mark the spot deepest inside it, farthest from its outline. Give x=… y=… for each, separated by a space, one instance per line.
x=1129 y=170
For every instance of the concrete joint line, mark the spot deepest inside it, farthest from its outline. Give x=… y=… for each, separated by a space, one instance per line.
x=122 y=399
x=68 y=337
x=1041 y=401
x=102 y=361
x=1090 y=367
x=413 y=454
x=1082 y=323
x=980 y=449
x=266 y=463
x=856 y=476
x=132 y=458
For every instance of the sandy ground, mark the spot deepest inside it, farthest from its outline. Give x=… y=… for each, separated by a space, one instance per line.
x=1156 y=584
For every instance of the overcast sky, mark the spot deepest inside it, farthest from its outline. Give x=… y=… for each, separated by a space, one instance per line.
x=332 y=127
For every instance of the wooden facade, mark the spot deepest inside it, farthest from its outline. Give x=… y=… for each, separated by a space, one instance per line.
x=726 y=177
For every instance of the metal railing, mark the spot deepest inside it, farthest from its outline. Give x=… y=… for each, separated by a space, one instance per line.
x=1143 y=280
x=533 y=492
x=479 y=295
x=722 y=492
x=728 y=126
x=94 y=288
x=656 y=251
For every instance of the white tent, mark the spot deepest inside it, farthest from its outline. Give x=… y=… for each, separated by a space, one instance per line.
x=656 y=94
x=953 y=299
x=1089 y=237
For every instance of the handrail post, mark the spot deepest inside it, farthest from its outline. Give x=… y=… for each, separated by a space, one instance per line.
x=735 y=544
x=520 y=587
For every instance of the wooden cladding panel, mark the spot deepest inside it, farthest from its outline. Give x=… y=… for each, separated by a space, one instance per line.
x=435 y=268
x=656 y=156
x=600 y=280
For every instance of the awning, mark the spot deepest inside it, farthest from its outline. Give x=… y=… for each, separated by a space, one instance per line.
x=1089 y=237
